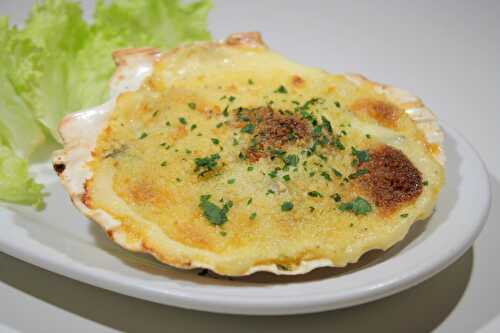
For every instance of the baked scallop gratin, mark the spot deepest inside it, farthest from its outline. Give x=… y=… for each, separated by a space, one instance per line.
x=227 y=156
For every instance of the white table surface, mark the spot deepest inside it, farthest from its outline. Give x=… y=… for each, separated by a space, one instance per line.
x=447 y=52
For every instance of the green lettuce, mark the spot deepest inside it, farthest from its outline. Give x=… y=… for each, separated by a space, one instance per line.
x=59 y=63
x=15 y=183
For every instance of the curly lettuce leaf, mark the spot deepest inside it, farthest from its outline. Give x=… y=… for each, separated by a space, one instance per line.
x=163 y=24
x=15 y=183
x=18 y=126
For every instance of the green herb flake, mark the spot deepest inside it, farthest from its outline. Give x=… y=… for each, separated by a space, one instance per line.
x=215 y=141
x=425 y=183
x=163 y=163
x=358 y=173
x=249 y=201
x=143 y=135
x=223 y=233
x=250 y=81
x=337 y=104
x=368 y=136
x=315 y=194
x=231 y=99
x=337 y=143
x=178 y=179
x=253 y=216
x=358 y=206
x=213 y=213
x=281 y=90
x=235 y=142
x=192 y=105
x=291 y=160
x=219 y=125
x=326 y=175
x=404 y=215
x=273 y=173
x=250 y=168
x=360 y=155
x=248 y=128
x=168 y=123
x=286 y=206
x=327 y=125
x=206 y=164
x=336 y=197
x=336 y=172
x=286 y=178
x=155 y=113
x=183 y=121
x=193 y=127
x=231 y=181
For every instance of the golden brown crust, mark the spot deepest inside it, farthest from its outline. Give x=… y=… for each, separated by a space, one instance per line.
x=384 y=113
x=392 y=179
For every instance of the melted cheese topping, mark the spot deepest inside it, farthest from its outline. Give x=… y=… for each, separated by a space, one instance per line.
x=196 y=105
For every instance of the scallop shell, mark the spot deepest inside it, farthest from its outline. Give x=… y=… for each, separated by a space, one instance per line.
x=80 y=130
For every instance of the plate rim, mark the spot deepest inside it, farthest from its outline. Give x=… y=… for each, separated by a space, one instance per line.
x=281 y=305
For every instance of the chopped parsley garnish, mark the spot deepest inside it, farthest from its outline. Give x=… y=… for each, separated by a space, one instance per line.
x=192 y=105
x=219 y=125
x=213 y=213
x=206 y=164
x=286 y=178
x=253 y=216
x=178 y=179
x=361 y=156
x=231 y=181
x=336 y=172
x=425 y=183
x=358 y=173
x=183 y=121
x=270 y=192
x=404 y=215
x=286 y=206
x=167 y=123
x=337 y=144
x=326 y=175
x=235 y=142
x=249 y=201
x=248 y=128
x=291 y=160
x=368 y=136
x=241 y=156
x=215 y=141
x=250 y=81
x=336 y=197
x=358 y=206
x=337 y=104
x=232 y=99
x=250 y=168
x=163 y=163
x=281 y=90
x=155 y=113
x=315 y=194
x=143 y=135
x=188 y=151
x=223 y=233
x=193 y=127
x=327 y=125
x=273 y=173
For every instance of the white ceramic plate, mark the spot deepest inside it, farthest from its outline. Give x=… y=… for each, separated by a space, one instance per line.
x=61 y=240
